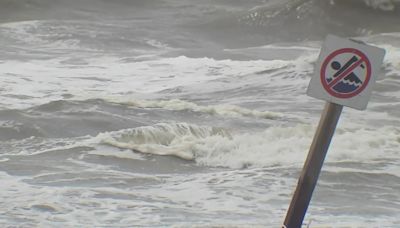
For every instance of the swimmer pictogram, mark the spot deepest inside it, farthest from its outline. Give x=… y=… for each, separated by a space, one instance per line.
x=345 y=72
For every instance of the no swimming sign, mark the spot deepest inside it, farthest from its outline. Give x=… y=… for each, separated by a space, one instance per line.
x=346 y=72
x=344 y=75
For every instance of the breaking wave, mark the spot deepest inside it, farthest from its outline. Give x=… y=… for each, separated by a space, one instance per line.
x=277 y=145
x=181 y=105
x=163 y=139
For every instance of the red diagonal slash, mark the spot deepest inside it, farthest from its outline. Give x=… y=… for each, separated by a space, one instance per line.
x=345 y=73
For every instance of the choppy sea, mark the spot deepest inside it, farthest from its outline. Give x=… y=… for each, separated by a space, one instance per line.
x=184 y=113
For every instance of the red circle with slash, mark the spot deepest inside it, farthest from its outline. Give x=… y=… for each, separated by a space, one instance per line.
x=331 y=84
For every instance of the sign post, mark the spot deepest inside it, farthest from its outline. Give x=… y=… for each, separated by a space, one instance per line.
x=312 y=167
x=344 y=75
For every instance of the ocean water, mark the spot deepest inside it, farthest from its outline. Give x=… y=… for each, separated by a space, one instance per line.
x=184 y=113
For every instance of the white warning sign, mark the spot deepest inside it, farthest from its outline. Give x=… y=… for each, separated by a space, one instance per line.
x=345 y=72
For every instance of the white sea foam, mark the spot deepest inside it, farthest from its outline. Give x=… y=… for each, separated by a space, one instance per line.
x=277 y=145
x=116 y=153
x=391 y=60
x=176 y=196
x=180 y=105
x=43 y=81
x=36 y=34
x=385 y=5
x=162 y=139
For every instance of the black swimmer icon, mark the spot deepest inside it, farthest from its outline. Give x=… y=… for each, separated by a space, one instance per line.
x=349 y=83
x=345 y=79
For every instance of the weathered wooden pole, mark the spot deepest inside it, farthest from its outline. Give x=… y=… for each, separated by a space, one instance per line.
x=312 y=167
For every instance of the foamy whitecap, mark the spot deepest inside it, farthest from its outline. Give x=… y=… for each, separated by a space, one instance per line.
x=125 y=154
x=277 y=145
x=104 y=77
x=162 y=139
x=180 y=105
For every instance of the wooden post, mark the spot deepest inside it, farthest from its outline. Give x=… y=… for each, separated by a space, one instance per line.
x=312 y=167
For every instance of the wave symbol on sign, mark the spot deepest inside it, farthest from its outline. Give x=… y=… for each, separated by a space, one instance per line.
x=349 y=83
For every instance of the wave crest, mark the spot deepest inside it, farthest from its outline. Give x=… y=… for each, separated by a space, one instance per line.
x=181 y=105
x=276 y=146
x=163 y=139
